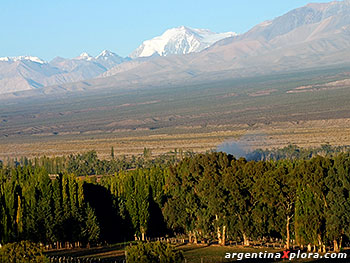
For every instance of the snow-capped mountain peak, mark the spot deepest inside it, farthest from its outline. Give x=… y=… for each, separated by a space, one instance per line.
x=105 y=54
x=84 y=56
x=22 y=58
x=179 y=40
x=109 y=59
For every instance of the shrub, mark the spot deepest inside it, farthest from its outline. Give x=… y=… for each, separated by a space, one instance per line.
x=153 y=252
x=22 y=252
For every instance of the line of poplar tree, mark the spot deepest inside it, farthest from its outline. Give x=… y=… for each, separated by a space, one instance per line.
x=212 y=197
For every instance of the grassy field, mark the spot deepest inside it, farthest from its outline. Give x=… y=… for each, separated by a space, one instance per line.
x=270 y=111
x=192 y=253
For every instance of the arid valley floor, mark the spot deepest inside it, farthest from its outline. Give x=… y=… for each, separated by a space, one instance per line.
x=302 y=108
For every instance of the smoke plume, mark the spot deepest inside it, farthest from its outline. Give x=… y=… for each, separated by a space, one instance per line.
x=242 y=147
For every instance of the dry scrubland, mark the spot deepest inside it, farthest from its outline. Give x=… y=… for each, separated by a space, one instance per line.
x=276 y=135
x=263 y=112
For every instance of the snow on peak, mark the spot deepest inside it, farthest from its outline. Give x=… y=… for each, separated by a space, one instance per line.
x=105 y=54
x=179 y=40
x=108 y=59
x=84 y=56
x=22 y=58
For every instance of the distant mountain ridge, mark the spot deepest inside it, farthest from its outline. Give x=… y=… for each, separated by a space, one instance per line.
x=23 y=73
x=21 y=58
x=179 y=40
x=315 y=35
x=28 y=72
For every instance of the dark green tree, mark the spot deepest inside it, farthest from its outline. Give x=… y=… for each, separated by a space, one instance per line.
x=91 y=230
x=153 y=252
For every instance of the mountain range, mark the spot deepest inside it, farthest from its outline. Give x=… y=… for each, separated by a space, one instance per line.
x=28 y=72
x=316 y=35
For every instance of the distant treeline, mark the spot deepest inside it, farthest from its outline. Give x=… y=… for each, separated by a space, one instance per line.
x=212 y=197
x=89 y=164
x=293 y=152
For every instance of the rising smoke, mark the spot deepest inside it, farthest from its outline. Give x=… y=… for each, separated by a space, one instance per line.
x=236 y=148
x=242 y=147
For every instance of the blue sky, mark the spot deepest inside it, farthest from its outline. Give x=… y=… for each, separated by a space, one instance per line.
x=49 y=28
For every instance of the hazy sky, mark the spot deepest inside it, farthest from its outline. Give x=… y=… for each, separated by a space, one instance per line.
x=49 y=28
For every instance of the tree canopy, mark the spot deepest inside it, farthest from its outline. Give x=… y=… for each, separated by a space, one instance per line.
x=212 y=197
